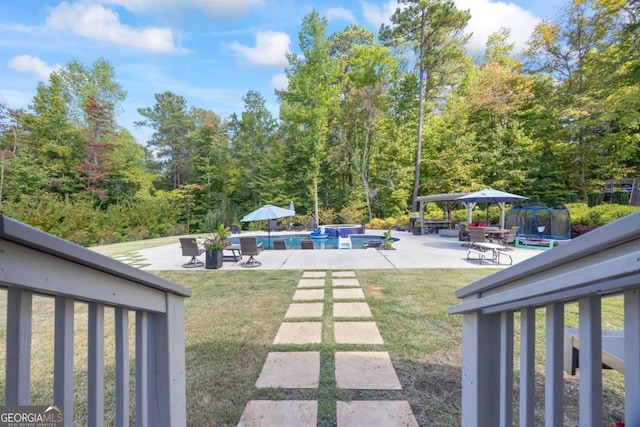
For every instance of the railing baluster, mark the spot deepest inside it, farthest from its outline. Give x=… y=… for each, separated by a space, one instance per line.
x=95 y=395
x=18 y=364
x=527 y=366
x=63 y=357
x=632 y=357
x=590 y=335
x=142 y=381
x=506 y=369
x=122 y=366
x=554 y=396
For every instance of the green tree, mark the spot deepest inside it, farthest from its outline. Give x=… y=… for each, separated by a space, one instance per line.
x=169 y=142
x=80 y=83
x=435 y=30
x=307 y=105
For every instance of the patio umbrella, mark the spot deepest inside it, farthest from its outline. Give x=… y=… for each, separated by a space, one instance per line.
x=489 y=195
x=267 y=212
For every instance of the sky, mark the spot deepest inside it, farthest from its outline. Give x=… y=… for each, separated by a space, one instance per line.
x=211 y=52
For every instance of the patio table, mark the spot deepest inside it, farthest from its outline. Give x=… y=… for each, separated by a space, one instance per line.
x=496 y=252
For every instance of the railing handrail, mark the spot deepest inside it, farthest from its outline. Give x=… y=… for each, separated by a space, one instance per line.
x=25 y=235
x=614 y=234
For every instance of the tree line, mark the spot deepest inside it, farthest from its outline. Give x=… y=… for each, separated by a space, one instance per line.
x=367 y=123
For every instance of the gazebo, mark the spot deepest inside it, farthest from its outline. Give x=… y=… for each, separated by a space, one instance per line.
x=449 y=201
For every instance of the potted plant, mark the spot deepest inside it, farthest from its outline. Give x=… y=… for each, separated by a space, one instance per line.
x=388 y=241
x=214 y=244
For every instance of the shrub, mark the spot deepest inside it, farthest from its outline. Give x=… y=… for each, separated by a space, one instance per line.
x=604 y=214
x=595 y=199
x=579 y=229
x=620 y=197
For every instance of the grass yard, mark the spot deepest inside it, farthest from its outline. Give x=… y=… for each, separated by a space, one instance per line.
x=232 y=319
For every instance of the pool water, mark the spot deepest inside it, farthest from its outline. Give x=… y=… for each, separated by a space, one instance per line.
x=293 y=241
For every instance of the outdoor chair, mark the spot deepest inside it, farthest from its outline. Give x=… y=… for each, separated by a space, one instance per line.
x=306 y=244
x=249 y=246
x=190 y=248
x=279 y=244
x=510 y=237
x=477 y=235
x=463 y=235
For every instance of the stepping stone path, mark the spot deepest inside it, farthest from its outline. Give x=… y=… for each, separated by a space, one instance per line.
x=352 y=324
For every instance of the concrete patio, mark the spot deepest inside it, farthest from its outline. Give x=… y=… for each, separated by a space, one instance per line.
x=424 y=251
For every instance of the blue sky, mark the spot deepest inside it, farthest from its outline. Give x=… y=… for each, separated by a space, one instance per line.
x=209 y=51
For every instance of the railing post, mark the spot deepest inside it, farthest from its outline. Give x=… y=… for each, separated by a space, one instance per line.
x=527 y=366
x=168 y=408
x=632 y=357
x=506 y=369
x=95 y=365
x=480 y=369
x=590 y=335
x=122 y=366
x=63 y=357
x=554 y=377
x=18 y=374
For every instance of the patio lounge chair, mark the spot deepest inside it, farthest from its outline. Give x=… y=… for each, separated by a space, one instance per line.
x=306 y=244
x=249 y=246
x=190 y=248
x=279 y=244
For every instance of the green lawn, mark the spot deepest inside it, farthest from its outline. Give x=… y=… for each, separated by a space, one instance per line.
x=233 y=317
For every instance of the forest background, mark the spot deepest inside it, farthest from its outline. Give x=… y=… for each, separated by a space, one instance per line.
x=367 y=123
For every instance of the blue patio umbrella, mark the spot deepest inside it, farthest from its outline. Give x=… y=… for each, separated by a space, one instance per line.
x=489 y=195
x=268 y=212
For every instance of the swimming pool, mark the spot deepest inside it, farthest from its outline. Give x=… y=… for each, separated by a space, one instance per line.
x=293 y=240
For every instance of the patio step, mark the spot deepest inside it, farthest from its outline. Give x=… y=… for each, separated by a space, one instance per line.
x=356 y=370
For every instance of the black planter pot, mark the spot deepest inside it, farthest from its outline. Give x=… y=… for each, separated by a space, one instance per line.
x=213 y=259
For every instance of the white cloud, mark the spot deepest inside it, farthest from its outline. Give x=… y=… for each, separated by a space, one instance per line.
x=340 y=14
x=32 y=64
x=270 y=49
x=279 y=82
x=377 y=15
x=98 y=23
x=216 y=8
x=487 y=17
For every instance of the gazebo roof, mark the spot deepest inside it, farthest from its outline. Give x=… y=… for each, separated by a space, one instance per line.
x=449 y=197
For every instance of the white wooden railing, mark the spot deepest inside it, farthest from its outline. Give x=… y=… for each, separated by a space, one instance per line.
x=36 y=263
x=600 y=263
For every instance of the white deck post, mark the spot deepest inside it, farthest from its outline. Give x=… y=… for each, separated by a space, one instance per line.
x=142 y=369
x=18 y=364
x=480 y=369
x=632 y=357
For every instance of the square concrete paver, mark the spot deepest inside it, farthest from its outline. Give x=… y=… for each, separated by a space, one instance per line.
x=269 y=413
x=351 y=309
x=299 y=333
x=299 y=369
x=357 y=333
x=348 y=293
x=314 y=274
x=311 y=309
x=345 y=282
x=366 y=370
x=343 y=274
x=311 y=283
x=375 y=413
x=308 y=294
